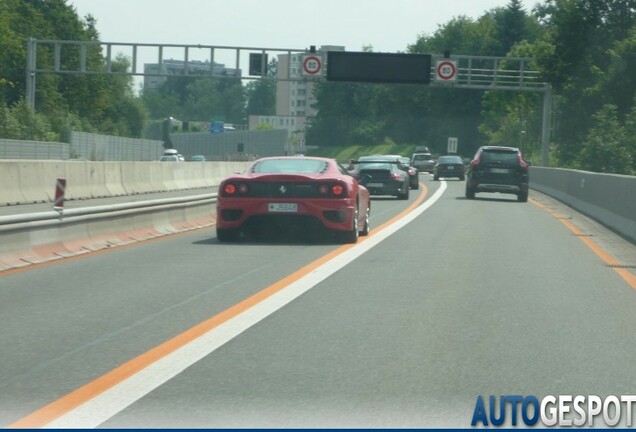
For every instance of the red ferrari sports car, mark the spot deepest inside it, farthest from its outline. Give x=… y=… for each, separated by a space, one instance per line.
x=292 y=192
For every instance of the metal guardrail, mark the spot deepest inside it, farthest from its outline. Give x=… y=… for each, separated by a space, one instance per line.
x=51 y=218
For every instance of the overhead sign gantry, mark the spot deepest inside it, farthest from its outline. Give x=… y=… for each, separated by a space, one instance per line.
x=464 y=72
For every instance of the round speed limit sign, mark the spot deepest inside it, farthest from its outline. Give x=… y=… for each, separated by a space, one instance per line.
x=446 y=70
x=312 y=65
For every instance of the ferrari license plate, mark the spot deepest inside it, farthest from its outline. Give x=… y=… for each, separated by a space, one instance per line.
x=374 y=185
x=283 y=207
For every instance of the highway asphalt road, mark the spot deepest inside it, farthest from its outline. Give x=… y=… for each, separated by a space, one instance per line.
x=405 y=329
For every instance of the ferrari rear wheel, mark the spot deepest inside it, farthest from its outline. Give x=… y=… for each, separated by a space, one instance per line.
x=352 y=235
x=227 y=234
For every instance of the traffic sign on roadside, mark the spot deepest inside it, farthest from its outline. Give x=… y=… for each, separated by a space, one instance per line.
x=60 y=190
x=452 y=145
x=312 y=65
x=446 y=71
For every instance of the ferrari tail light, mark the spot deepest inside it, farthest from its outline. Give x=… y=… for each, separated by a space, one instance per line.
x=243 y=189
x=399 y=177
x=333 y=189
x=411 y=172
x=229 y=189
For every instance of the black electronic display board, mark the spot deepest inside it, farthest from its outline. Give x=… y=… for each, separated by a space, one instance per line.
x=378 y=67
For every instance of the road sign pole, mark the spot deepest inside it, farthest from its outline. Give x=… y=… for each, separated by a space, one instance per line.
x=545 y=132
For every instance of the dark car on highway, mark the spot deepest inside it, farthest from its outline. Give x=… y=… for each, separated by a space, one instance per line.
x=449 y=166
x=414 y=174
x=381 y=176
x=498 y=169
x=404 y=163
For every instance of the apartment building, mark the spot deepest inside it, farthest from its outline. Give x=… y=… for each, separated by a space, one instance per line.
x=294 y=99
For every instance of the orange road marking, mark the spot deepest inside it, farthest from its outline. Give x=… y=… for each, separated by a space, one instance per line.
x=598 y=250
x=67 y=403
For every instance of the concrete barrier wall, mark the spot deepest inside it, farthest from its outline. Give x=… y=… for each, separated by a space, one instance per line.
x=608 y=198
x=23 y=182
x=33 y=175
x=113 y=181
x=42 y=237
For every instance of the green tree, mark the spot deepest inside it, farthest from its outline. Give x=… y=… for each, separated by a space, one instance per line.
x=11 y=55
x=160 y=104
x=514 y=118
x=261 y=93
x=232 y=100
x=513 y=26
x=94 y=103
x=461 y=36
x=202 y=100
x=20 y=122
x=616 y=81
x=341 y=107
x=605 y=149
x=261 y=97
x=197 y=98
x=425 y=115
x=9 y=125
x=573 y=55
x=630 y=134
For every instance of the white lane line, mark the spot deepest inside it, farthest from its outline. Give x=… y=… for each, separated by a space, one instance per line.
x=114 y=400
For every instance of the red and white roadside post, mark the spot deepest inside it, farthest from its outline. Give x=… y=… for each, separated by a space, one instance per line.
x=60 y=188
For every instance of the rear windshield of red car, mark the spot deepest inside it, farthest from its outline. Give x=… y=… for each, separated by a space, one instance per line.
x=290 y=166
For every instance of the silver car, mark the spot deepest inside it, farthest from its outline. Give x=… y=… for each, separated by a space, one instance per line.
x=424 y=162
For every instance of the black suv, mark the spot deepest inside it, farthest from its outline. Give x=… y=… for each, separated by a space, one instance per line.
x=498 y=169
